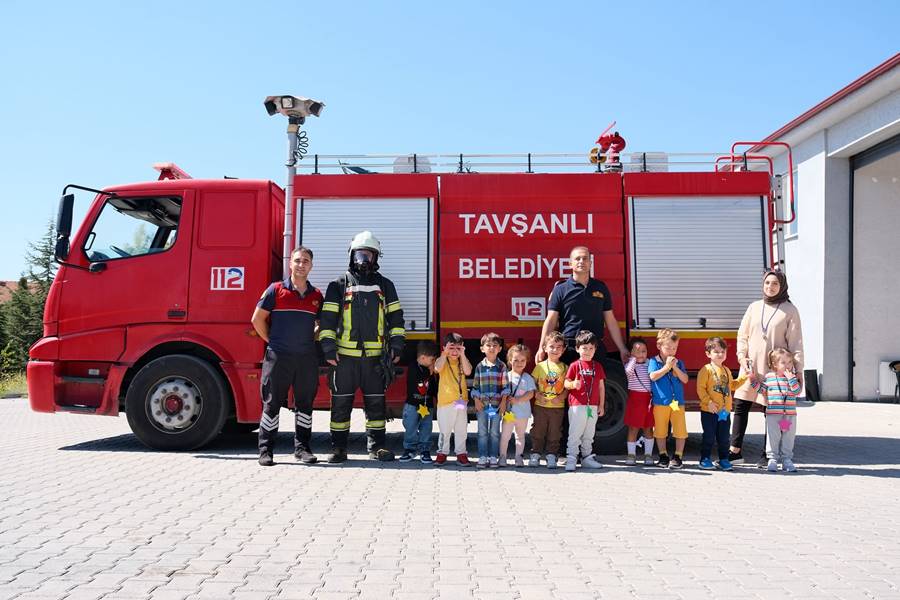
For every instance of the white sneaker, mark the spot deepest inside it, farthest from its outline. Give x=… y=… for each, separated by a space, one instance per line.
x=482 y=461
x=788 y=465
x=648 y=460
x=591 y=462
x=495 y=462
x=534 y=460
x=571 y=461
x=772 y=466
x=520 y=462
x=631 y=460
x=551 y=461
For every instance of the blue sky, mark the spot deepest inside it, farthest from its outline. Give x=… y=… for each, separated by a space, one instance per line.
x=94 y=93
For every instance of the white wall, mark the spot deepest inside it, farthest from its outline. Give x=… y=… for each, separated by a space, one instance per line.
x=876 y=277
x=817 y=258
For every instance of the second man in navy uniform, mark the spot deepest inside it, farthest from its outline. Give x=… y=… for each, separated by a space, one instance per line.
x=285 y=318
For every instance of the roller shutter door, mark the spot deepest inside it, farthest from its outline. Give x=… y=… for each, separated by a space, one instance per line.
x=403 y=226
x=696 y=258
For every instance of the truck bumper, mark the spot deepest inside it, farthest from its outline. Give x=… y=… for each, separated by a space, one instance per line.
x=51 y=390
x=41 y=377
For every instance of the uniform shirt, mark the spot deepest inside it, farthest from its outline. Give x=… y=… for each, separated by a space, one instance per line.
x=293 y=316
x=638 y=376
x=490 y=382
x=550 y=379
x=451 y=383
x=716 y=385
x=421 y=386
x=668 y=387
x=781 y=393
x=580 y=306
x=591 y=375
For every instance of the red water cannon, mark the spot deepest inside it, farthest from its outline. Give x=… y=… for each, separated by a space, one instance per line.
x=610 y=145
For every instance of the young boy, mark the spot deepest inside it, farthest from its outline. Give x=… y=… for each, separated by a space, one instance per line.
x=714 y=388
x=490 y=390
x=587 y=400
x=549 y=401
x=668 y=377
x=421 y=389
x=781 y=388
x=452 y=368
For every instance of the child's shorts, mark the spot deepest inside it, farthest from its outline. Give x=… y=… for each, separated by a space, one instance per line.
x=663 y=415
x=639 y=410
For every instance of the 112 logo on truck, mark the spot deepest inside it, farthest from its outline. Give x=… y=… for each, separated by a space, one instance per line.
x=226 y=278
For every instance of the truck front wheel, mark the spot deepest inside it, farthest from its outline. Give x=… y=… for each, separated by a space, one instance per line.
x=176 y=402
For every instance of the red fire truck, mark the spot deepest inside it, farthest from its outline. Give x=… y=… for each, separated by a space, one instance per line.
x=149 y=312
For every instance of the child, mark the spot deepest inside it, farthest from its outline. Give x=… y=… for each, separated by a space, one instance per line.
x=714 y=388
x=421 y=388
x=549 y=401
x=668 y=377
x=587 y=400
x=452 y=399
x=781 y=388
x=490 y=388
x=521 y=392
x=638 y=408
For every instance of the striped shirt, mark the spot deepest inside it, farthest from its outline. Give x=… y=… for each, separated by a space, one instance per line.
x=638 y=376
x=781 y=394
x=490 y=382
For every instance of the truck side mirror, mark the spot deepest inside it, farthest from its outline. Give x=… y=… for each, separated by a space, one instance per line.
x=64 y=226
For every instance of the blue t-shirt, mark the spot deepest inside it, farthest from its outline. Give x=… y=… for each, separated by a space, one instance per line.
x=668 y=387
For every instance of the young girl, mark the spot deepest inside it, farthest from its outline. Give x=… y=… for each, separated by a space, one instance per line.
x=638 y=409
x=518 y=407
x=781 y=388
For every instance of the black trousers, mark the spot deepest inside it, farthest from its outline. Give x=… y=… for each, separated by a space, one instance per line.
x=349 y=375
x=741 y=416
x=282 y=371
x=714 y=432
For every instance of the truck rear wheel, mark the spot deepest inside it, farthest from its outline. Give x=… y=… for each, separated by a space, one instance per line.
x=176 y=402
x=611 y=430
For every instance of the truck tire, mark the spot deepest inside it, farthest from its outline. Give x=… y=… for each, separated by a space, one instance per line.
x=611 y=429
x=176 y=402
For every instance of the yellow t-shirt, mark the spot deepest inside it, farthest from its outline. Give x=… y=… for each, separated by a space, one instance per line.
x=451 y=383
x=549 y=378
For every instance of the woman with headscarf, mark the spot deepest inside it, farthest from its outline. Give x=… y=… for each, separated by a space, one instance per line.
x=769 y=323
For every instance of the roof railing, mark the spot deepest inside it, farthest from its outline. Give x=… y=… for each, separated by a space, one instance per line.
x=630 y=162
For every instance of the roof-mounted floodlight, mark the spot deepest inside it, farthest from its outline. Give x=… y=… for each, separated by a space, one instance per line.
x=293 y=106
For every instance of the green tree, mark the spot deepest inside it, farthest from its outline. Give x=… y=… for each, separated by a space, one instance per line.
x=23 y=316
x=41 y=260
x=22 y=324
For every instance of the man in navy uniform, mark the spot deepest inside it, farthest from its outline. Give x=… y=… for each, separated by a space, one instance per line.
x=286 y=318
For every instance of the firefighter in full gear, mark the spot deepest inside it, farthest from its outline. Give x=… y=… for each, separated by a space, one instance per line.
x=362 y=337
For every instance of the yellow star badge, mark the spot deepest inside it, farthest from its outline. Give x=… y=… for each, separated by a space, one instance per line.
x=674 y=406
x=508 y=416
x=423 y=411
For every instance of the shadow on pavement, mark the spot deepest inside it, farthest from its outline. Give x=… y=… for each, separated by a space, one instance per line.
x=828 y=456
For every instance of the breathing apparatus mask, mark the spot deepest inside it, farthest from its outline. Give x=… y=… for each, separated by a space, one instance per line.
x=363 y=261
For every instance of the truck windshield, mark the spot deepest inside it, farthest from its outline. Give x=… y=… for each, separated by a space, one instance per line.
x=130 y=227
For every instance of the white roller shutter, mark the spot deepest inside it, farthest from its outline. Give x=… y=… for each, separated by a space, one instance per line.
x=696 y=258
x=402 y=226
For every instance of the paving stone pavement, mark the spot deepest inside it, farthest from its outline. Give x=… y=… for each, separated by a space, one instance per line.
x=86 y=512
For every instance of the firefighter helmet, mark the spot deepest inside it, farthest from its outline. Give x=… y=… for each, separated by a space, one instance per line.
x=364 y=240
x=364 y=252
